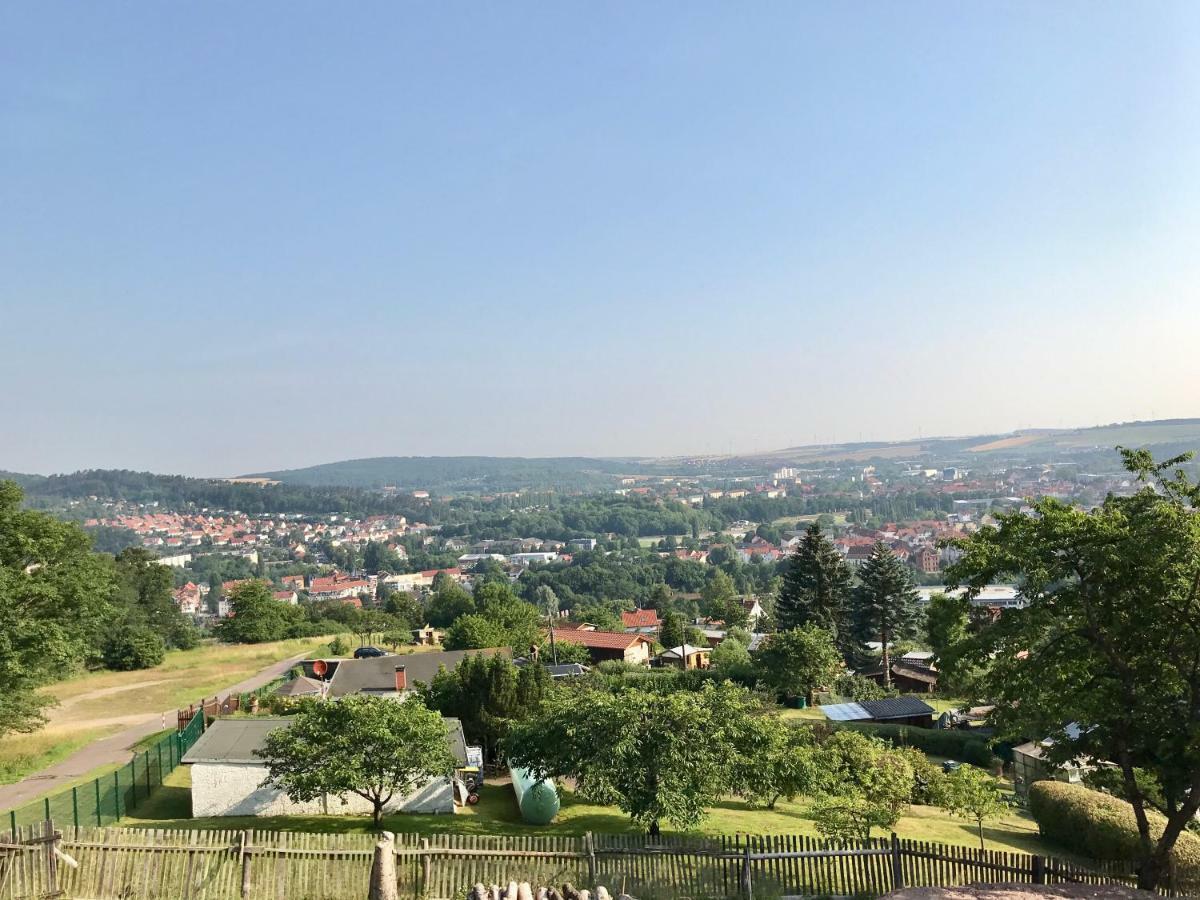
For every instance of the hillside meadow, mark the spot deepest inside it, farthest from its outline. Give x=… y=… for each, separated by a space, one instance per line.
x=94 y=705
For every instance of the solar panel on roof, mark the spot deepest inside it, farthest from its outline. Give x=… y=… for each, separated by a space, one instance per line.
x=844 y=712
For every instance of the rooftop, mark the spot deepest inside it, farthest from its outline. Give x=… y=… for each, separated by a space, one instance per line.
x=235 y=741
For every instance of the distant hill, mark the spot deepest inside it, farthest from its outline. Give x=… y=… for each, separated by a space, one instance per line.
x=462 y=473
x=475 y=474
x=1165 y=436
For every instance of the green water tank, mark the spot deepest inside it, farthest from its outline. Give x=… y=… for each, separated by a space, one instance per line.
x=537 y=799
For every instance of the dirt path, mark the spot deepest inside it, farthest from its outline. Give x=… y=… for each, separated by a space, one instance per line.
x=68 y=702
x=114 y=750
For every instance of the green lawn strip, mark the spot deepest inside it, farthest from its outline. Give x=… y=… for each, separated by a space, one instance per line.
x=496 y=814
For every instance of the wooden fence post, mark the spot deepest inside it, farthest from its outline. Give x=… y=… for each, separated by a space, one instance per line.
x=383 y=869
x=897 y=864
x=747 y=886
x=589 y=843
x=1038 y=864
x=51 y=859
x=245 y=859
x=426 y=867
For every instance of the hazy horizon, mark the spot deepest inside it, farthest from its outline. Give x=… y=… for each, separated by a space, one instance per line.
x=254 y=237
x=735 y=452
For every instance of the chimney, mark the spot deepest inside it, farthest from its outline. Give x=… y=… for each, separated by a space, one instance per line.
x=401 y=680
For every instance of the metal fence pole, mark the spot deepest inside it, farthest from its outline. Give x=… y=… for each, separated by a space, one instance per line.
x=158 y=750
x=99 y=820
x=75 y=806
x=146 y=763
x=117 y=791
x=46 y=803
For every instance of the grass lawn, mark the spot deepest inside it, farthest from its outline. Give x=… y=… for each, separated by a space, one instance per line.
x=839 y=518
x=496 y=814
x=97 y=704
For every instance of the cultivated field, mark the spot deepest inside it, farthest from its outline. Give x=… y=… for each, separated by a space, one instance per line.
x=98 y=704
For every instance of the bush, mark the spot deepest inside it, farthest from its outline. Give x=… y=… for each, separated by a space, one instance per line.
x=1098 y=825
x=960 y=745
x=857 y=687
x=134 y=647
x=339 y=646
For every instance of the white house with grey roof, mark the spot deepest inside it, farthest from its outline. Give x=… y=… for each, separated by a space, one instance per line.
x=228 y=778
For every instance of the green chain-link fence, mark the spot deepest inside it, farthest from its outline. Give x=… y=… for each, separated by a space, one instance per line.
x=109 y=797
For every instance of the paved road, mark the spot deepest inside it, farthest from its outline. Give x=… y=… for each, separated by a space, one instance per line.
x=115 y=750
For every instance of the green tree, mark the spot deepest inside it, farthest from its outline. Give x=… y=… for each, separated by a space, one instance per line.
x=475 y=632
x=863 y=783
x=779 y=763
x=719 y=600
x=56 y=600
x=795 y=663
x=406 y=607
x=885 y=603
x=971 y=793
x=658 y=757
x=673 y=632
x=1108 y=638
x=396 y=638
x=816 y=587
x=448 y=603
x=257 y=616
x=369 y=746
x=487 y=694
x=947 y=625
x=145 y=586
x=134 y=647
x=339 y=646
x=546 y=600
x=731 y=659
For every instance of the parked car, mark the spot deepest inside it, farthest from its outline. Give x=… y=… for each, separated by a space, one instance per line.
x=951 y=765
x=368 y=653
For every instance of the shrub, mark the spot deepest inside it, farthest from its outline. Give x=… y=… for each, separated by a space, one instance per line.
x=1098 y=825
x=857 y=687
x=339 y=646
x=134 y=647
x=960 y=745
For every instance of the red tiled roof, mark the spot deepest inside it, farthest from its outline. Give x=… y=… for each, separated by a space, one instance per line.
x=608 y=640
x=641 y=618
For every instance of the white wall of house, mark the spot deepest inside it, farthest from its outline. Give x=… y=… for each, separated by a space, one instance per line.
x=235 y=789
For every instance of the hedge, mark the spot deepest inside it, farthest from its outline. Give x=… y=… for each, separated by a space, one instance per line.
x=1098 y=825
x=956 y=744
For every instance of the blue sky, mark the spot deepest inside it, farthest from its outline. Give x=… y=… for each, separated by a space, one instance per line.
x=241 y=236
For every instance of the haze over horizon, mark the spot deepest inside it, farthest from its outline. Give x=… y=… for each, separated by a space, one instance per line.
x=249 y=238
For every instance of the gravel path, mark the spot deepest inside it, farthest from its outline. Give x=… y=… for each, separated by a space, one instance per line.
x=115 y=750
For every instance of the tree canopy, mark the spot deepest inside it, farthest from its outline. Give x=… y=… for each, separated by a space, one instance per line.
x=1104 y=658
x=816 y=586
x=659 y=757
x=374 y=747
x=56 y=598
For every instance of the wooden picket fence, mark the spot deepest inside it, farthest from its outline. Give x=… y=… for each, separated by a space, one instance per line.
x=141 y=864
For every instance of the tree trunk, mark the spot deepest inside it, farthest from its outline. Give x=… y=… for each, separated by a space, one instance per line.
x=887 y=661
x=981 y=847
x=654 y=829
x=377 y=814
